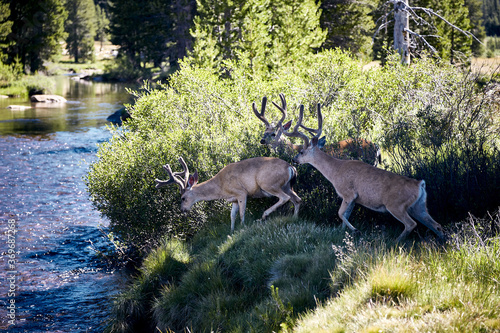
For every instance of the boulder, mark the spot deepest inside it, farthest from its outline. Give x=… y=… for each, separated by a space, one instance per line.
x=119 y=116
x=47 y=99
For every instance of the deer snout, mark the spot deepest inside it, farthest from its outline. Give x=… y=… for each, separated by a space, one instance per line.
x=262 y=141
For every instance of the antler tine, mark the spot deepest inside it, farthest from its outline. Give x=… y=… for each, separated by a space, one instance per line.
x=317 y=131
x=184 y=172
x=282 y=108
x=320 y=121
x=173 y=179
x=262 y=111
x=296 y=132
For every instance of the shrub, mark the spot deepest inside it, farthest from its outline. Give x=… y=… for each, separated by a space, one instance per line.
x=432 y=121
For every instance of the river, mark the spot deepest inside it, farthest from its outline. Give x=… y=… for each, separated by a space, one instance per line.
x=57 y=282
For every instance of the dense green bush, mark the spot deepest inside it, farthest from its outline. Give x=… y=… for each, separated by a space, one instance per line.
x=431 y=120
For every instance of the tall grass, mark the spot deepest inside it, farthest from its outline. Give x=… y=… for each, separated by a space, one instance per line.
x=424 y=289
x=287 y=274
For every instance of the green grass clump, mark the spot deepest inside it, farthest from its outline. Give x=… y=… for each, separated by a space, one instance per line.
x=426 y=289
x=287 y=274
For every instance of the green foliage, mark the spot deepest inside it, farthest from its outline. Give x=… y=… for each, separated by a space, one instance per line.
x=38 y=27
x=228 y=284
x=349 y=24
x=102 y=24
x=432 y=122
x=443 y=129
x=266 y=34
x=5 y=26
x=477 y=27
x=81 y=29
x=423 y=288
x=163 y=34
x=162 y=267
x=451 y=44
x=491 y=16
x=17 y=84
x=288 y=274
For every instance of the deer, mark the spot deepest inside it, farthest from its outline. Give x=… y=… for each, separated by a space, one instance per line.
x=346 y=149
x=254 y=177
x=360 y=183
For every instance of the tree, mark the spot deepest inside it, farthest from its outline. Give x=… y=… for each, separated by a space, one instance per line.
x=151 y=31
x=267 y=34
x=5 y=26
x=477 y=27
x=102 y=24
x=349 y=24
x=439 y=26
x=38 y=27
x=81 y=29
x=491 y=17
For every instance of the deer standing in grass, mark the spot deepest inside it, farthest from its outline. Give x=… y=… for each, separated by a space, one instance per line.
x=345 y=149
x=255 y=177
x=360 y=183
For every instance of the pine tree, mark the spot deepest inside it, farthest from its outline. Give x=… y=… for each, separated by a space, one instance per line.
x=491 y=17
x=102 y=25
x=267 y=34
x=5 y=27
x=477 y=27
x=143 y=29
x=450 y=43
x=38 y=27
x=349 y=24
x=81 y=29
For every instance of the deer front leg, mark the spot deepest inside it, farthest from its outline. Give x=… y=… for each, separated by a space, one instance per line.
x=345 y=211
x=402 y=216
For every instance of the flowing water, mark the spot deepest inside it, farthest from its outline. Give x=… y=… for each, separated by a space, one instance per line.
x=48 y=227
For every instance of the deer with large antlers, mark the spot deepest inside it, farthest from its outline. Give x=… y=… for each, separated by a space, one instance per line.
x=360 y=183
x=255 y=177
x=362 y=149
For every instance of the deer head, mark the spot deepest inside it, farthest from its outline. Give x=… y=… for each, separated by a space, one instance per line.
x=272 y=134
x=311 y=145
x=183 y=180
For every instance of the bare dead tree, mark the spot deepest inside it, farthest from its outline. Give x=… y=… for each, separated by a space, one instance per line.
x=402 y=13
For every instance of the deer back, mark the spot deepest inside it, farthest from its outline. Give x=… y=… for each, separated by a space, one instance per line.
x=362 y=149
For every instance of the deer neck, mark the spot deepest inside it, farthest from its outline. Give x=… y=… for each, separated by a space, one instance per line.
x=209 y=190
x=326 y=164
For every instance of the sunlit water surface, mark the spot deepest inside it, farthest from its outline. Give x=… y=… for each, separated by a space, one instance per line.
x=61 y=284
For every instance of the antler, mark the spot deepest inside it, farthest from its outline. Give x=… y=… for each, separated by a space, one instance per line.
x=262 y=111
x=296 y=132
x=175 y=177
x=282 y=108
x=318 y=131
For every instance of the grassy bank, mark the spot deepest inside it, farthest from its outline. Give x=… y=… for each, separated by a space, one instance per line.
x=294 y=275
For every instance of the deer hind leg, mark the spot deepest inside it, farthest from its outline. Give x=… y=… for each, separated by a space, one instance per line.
x=402 y=216
x=419 y=211
x=283 y=198
x=295 y=199
x=242 y=203
x=345 y=211
x=234 y=212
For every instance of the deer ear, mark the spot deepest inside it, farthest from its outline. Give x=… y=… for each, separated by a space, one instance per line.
x=321 y=142
x=286 y=127
x=193 y=179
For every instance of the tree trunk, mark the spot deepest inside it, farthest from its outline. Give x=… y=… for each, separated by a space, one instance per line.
x=401 y=27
